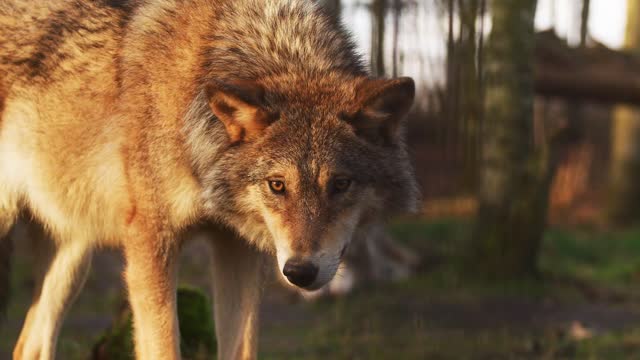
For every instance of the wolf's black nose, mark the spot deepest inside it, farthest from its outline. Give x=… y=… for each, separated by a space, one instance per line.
x=300 y=273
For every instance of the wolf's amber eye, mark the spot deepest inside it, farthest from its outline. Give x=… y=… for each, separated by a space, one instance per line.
x=341 y=185
x=276 y=186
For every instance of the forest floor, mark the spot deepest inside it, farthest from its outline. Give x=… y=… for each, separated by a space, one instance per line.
x=586 y=304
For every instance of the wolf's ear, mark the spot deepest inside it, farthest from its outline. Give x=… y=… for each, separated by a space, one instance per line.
x=382 y=104
x=240 y=107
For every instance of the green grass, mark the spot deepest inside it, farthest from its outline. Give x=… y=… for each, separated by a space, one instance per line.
x=605 y=258
x=441 y=312
x=398 y=320
x=613 y=345
x=610 y=259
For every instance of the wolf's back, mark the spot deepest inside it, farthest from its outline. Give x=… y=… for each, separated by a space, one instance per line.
x=40 y=39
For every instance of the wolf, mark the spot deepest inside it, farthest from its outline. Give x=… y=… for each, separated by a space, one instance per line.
x=141 y=124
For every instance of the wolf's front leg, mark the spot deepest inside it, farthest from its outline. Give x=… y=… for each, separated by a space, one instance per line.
x=151 y=280
x=68 y=266
x=237 y=269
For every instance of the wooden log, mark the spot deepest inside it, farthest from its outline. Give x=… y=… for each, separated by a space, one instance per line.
x=595 y=73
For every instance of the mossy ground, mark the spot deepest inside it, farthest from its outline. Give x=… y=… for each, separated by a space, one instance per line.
x=589 y=281
x=196 y=328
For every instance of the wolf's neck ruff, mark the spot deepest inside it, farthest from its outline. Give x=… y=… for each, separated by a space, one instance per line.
x=259 y=39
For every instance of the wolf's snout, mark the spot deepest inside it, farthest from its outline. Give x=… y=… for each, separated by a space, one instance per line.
x=299 y=272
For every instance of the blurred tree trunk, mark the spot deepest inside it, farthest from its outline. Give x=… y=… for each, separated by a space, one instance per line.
x=480 y=56
x=378 y=11
x=451 y=97
x=584 y=22
x=553 y=15
x=575 y=112
x=397 y=10
x=514 y=178
x=624 y=204
x=469 y=90
x=450 y=59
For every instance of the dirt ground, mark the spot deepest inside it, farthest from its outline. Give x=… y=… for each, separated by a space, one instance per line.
x=432 y=315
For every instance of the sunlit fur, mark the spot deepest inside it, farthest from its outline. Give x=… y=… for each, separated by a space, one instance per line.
x=114 y=131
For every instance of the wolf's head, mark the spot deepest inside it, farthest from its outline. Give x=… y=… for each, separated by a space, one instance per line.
x=305 y=163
